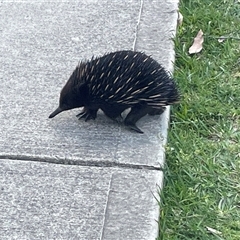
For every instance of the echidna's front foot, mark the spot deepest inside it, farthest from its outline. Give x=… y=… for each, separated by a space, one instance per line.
x=87 y=114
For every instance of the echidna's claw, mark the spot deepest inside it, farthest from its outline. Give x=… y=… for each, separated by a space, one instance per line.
x=135 y=128
x=87 y=114
x=81 y=115
x=89 y=117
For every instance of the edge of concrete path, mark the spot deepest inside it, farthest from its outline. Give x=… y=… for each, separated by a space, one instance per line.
x=165 y=120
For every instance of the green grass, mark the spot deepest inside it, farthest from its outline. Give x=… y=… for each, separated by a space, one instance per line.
x=202 y=172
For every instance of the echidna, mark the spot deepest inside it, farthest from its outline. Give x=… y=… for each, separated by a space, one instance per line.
x=115 y=82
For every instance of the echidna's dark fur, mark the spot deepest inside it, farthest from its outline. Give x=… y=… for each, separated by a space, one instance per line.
x=115 y=82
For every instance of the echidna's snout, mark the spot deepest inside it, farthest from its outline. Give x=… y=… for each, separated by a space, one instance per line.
x=56 y=112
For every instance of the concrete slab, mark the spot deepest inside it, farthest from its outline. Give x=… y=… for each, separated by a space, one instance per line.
x=53 y=201
x=41 y=43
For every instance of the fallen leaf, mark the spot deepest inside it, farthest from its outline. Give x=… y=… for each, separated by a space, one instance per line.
x=180 y=19
x=214 y=231
x=197 y=43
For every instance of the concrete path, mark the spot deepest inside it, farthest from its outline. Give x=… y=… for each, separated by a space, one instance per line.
x=64 y=178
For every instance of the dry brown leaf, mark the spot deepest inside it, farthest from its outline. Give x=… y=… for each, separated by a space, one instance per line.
x=197 y=44
x=180 y=19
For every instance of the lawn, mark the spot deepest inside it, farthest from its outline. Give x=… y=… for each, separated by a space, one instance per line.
x=201 y=194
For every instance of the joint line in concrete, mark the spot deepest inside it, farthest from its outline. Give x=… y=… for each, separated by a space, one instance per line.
x=106 y=207
x=137 y=25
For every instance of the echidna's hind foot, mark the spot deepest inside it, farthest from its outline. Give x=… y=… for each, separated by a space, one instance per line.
x=156 y=111
x=114 y=112
x=135 y=128
x=134 y=115
x=87 y=114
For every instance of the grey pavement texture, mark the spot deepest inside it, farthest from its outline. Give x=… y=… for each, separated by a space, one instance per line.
x=64 y=178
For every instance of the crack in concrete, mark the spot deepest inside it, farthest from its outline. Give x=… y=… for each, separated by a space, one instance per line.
x=65 y=161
